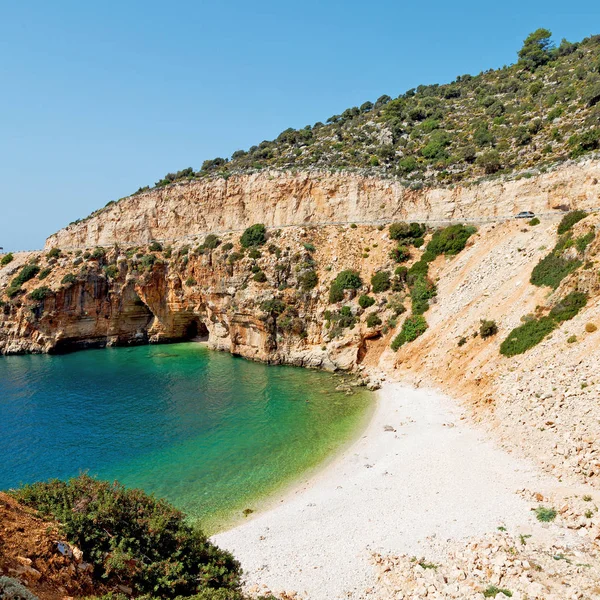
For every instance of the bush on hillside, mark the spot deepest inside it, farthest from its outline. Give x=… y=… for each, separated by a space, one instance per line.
x=569 y=220
x=11 y=589
x=488 y=329
x=155 y=247
x=211 y=241
x=527 y=336
x=7 y=258
x=39 y=293
x=308 y=280
x=450 y=240
x=380 y=282
x=365 y=301
x=53 y=253
x=400 y=254
x=413 y=327
x=568 y=307
x=552 y=269
x=373 y=320
x=134 y=539
x=68 y=279
x=255 y=235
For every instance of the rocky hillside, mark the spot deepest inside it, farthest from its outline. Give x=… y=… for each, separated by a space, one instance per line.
x=540 y=110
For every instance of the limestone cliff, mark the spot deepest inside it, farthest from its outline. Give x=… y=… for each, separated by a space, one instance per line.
x=277 y=199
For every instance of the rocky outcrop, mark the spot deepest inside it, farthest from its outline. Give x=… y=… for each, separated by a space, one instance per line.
x=184 y=210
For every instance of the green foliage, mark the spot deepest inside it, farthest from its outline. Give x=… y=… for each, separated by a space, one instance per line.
x=260 y=277
x=492 y=591
x=111 y=271
x=396 y=305
x=342 y=319
x=380 y=282
x=584 y=241
x=527 y=336
x=255 y=235
x=345 y=280
x=11 y=589
x=7 y=258
x=554 y=267
x=537 y=49
x=309 y=247
x=488 y=329
x=227 y=247
x=254 y=253
x=147 y=261
x=25 y=274
x=373 y=320
x=211 y=241
x=98 y=254
x=53 y=253
x=39 y=293
x=490 y=161
x=450 y=240
x=133 y=539
x=413 y=327
x=190 y=281
x=44 y=273
x=544 y=514
x=365 y=301
x=535 y=221
x=155 y=247
x=532 y=332
x=422 y=290
x=568 y=307
x=405 y=232
x=68 y=279
x=569 y=220
x=308 y=280
x=401 y=253
x=273 y=306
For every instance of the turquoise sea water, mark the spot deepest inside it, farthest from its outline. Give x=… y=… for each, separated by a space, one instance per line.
x=210 y=432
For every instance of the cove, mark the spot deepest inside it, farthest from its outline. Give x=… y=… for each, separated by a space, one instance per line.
x=212 y=433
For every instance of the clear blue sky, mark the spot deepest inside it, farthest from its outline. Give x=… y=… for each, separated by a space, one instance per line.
x=100 y=98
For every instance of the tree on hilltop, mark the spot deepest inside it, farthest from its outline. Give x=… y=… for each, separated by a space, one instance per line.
x=537 y=49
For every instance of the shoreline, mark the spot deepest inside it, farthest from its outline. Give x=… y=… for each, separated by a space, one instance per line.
x=417 y=477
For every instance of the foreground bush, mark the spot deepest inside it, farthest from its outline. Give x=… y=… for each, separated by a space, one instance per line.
x=11 y=589
x=6 y=259
x=135 y=539
x=450 y=240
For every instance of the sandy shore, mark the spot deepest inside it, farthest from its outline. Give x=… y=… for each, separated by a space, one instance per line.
x=418 y=477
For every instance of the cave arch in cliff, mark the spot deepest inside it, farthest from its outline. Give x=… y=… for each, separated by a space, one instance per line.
x=196 y=330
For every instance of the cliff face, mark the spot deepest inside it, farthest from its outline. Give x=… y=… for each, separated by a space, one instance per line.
x=283 y=199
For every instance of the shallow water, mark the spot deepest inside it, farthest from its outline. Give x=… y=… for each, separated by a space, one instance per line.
x=212 y=433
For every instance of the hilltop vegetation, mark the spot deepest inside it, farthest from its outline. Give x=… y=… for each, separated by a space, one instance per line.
x=542 y=109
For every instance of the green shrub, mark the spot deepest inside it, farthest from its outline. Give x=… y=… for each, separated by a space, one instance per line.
x=234 y=257
x=260 y=277
x=365 y=301
x=273 y=307
x=342 y=319
x=396 y=305
x=348 y=280
x=406 y=232
x=7 y=258
x=111 y=271
x=39 y=293
x=98 y=253
x=492 y=591
x=255 y=235
x=526 y=336
x=421 y=292
x=488 y=329
x=308 y=280
x=309 y=247
x=380 y=282
x=336 y=293
x=569 y=220
x=568 y=307
x=211 y=241
x=450 y=240
x=190 y=281
x=254 y=253
x=68 y=279
x=535 y=221
x=413 y=327
x=400 y=254
x=147 y=261
x=11 y=589
x=53 y=253
x=581 y=243
x=155 y=247
x=373 y=320
x=44 y=273
x=418 y=242
x=25 y=274
x=552 y=269
x=545 y=514
x=133 y=539
x=227 y=247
